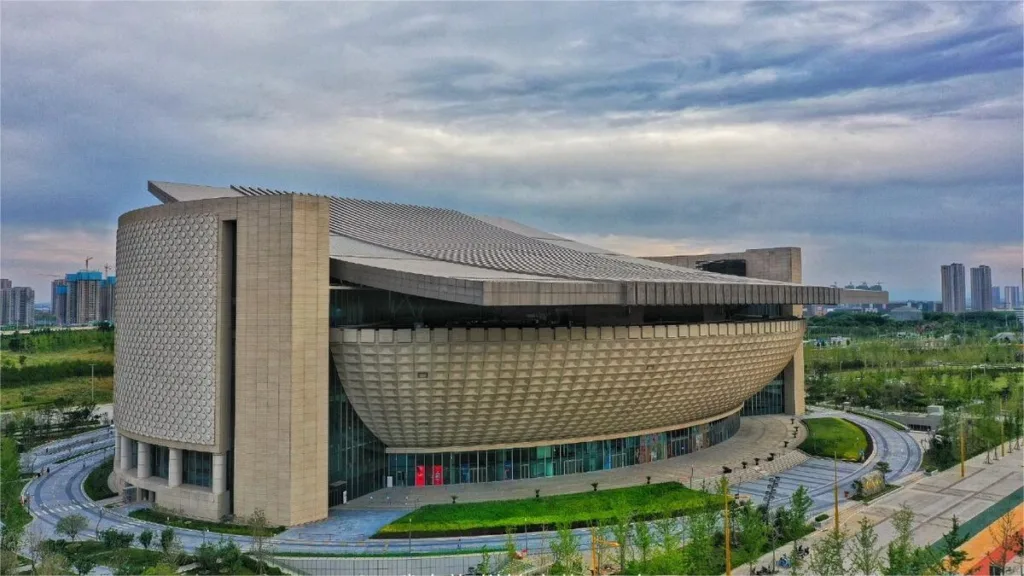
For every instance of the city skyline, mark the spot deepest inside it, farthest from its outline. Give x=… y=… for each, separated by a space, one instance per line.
x=844 y=135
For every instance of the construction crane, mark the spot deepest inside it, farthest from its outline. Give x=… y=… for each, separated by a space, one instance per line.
x=87 y=263
x=106 y=269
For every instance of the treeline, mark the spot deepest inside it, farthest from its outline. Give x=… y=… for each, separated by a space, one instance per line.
x=860 y=324
x=880 y=354
x=57 y=340
x=15 y=376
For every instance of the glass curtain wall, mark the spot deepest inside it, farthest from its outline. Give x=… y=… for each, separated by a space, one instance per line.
x=769 y=400
x=356 y=459
x=440 y=468
x=159 y=460
x=197 y=468
x=134 y=448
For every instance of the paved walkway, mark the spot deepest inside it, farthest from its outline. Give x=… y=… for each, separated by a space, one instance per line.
x=934 y=500
x=757 y=437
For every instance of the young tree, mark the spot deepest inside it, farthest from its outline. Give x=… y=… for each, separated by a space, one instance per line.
x=699 y=552
x=1006 y=533
x=800 y=504
x=753 y=533
x=259 y=530
x=485 y=562
x=621 y=530
x=644 y=542
x=53 y=563
x=883 y=467
x=828 y=554
x=865 y=556
x=566 y=551
x=145 y=538
x=951 y=542
x=667 y=529
x=166 y=539
x=83 y=563
x=900 y=552
x=72 y=525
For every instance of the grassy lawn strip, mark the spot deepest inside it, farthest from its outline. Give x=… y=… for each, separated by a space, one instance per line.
x=888 y=488
x=882 y=419
x=95 y=486
x=161 y=517
x=653 y=501
x=43 y=394
x=834 y=436
x=73 y=456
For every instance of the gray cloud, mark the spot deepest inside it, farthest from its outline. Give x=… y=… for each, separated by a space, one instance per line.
x=839 y=124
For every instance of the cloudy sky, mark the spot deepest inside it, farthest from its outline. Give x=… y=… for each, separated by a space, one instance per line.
x=884 y=138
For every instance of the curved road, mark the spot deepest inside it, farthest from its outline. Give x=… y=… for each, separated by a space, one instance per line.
x=60 y=493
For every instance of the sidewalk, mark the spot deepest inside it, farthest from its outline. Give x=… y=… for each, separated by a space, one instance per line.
x=934 y=500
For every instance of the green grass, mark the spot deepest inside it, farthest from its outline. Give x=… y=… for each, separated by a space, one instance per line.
x=397 y=554
x=90 y=353
x=888 y=488
x=882 y=419
x=95 y=486
x=135 y=559
x=161 y=517
x=648 y=501
x=39 y=395
x=833 y=436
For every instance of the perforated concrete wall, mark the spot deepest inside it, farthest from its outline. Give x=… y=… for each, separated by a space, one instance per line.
x=165 y=383
x=476 y=388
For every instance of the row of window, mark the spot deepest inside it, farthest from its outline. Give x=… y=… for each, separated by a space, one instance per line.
x=769 y=400
x=196 y=467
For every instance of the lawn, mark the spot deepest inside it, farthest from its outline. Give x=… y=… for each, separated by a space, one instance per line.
x=648 y=501
x=36 y=395
x=89 y=354
x=161 y=517
x=834 y=436
x=96 y=482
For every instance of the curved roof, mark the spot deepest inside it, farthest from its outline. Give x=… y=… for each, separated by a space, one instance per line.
x=447 y=254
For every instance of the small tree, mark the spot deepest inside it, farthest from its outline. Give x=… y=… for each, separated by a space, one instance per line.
x=166 y=539
x=827 y=555
x=644 y=542
x=900 y=552
x=1006 y=533
x=753 y=533
x=865 y=556
x=83 y=563
x=72 y=525
x=667 y=530
x=951 y=543
x=566 y=551
x=485 y=562
x=800 y=504
x=53 y=563
x=510 y=546
x=699 y=552
x=883 y=467
x=620 y=529
x=145 y=537
x=259 y=530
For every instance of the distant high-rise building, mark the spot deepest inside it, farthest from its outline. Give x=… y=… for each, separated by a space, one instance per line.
x=981 y=288
x=83 y=300
x=954 y=292
x=997 y=297
x=1011 y=297
x=59 y=301
x=108 y=289
x=17 y=305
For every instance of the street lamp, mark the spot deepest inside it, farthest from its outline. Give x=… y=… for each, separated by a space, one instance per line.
x=92 y=383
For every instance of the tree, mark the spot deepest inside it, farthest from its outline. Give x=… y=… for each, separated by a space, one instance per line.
x=53 y=563
x=699 y=552
x=883 y=467
x=259 y=530
x=1006 y=533
x=83 y=563
x=161 y=569
x=145 y=537
x=644 y=542
x=753 y=533
x=951 y=542
x=900 y=552
x=667 y=530
x=166 y=539
x=72 y=525
x=620 y=529
x=828 y=554
x=865 y=556
x=566 y=551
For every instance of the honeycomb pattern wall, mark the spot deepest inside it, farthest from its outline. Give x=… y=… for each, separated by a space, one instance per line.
x=165 y=383
x=447 y=388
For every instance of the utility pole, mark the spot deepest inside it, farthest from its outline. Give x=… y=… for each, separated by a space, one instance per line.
x=1002 y=447
x=92 y=383
x=835 y=491
x=963 y=448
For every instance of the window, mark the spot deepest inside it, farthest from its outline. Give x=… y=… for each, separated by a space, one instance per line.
x=133 y=448
x=159 y=457
x=197 y=468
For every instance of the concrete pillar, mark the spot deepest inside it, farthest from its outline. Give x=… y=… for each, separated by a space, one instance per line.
x=117 y=450
x=173 y=467
x=793 y=383
x=126 y=452
x=220 y=473
x=144 y=469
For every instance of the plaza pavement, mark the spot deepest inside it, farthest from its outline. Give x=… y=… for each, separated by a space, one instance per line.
x=934 y=500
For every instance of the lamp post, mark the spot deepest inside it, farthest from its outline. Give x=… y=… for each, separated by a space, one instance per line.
x=92 y=382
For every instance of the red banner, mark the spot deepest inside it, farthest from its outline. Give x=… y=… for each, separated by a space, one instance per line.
x=438 y=475
x=421 y=475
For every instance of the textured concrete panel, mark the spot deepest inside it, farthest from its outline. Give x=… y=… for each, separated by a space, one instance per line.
x=165 y=382
x=549 y=390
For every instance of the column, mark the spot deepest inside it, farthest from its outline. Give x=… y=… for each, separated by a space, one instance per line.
x=143 y=471
x=793 y=383
x=126 y=452
x=117 y=450
x=220 y=473
x=173 y=467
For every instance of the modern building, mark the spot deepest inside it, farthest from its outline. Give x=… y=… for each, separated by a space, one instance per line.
x=59 y=301
x=906 y=314
x=107 y=299
x=288 y=352
x=954 y=295
x=17 y=305
x=997 y=297
x=1011 y=297
x=981 y=289
x=83 y=300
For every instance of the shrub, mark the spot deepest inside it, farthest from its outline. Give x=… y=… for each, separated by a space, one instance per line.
x=821 y=517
